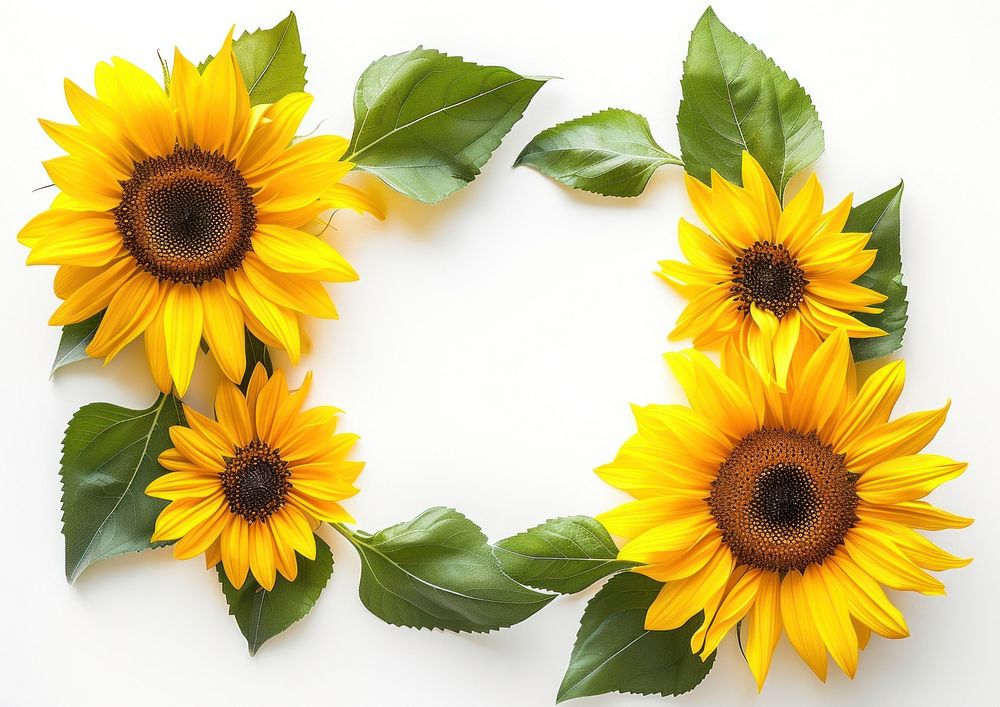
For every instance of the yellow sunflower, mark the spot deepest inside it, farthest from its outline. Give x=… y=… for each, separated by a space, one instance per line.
x=787 y=510
x=767 y=276
x=182 y=216
x=249 y=488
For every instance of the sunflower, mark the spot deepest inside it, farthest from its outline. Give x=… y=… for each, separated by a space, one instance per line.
x=788 y=510
x=249 y=488
x=181 y=216
x=765 y=276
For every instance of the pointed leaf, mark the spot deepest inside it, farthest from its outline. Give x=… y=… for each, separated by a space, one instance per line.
x=736 y=99
x=109 y=457
x=256 y=353
x=438 y=571
x=74 y=341
x=880 y=216
x=564 y=555
x=271 y=61
x=425 y=122
x=261 y=614
x=611 y=152
x=615 y=653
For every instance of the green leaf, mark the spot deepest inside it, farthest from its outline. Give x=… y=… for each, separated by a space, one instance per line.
x=880 y=216
x=736 y=99
x=564 y=555
x=256 y=352
x=611 y=153
x=425 y=122
x=271 y=61
x=438 y=571
x=109 y=457
x=74 y=341
x=615 y=653
x=262 y=614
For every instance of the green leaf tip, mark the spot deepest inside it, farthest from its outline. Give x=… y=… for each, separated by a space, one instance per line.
x=736 y=98
x=260 y=614
x=271 y=61
x=614 y=652
x=881 y=217
x=438 y=571
x=564 y=555
x=425 y=122
x=611 y=152
x=109 y=458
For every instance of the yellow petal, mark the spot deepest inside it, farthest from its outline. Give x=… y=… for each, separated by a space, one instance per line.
x=231 y=412
x=800 y=220
x=141 y=103
x=907 y=478
x=713 y=394
x=797 y=618
x=764 y=627
x=289 y=250
x=757 y=183
x=873 y=403
x=915 y=514
x=223 y=329
x=235 y=548
x=279 y=322
x=865 y=597
x=198 y=539
x=879 y=557
x=899 y=438
x=156 y=353
x=832 y=617
x=183 y=325
x=129 y=312
x=734 y=607
x=273 y=134
x=294 y=292
x=94 y=295
x=89 y=240
x=679 y=601
x=632 y=519
x=819 y=390
x=180 y=517
x=175 y=485
x=262 y=555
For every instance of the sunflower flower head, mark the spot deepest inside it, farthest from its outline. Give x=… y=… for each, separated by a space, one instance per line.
x=181 y=216
x=787 y=508
x=249 y=488
x=768 y=277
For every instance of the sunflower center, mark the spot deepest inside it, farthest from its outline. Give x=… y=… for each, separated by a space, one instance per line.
x=188 y=216
x=783 y=500
x=255 y=482
x=766 y=275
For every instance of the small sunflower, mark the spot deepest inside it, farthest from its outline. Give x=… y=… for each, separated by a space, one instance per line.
x=182 y=216
x=786 y=509
x=249 y=488
x=767 y=277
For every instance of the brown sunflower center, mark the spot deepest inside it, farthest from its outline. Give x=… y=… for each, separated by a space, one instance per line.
x=255 y=482
x=783 y=500
x=766 y=275
x=188 y=216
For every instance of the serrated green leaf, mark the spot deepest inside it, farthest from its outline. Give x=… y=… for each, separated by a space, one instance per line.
x=74 y=341
x=880 y=216
x=256 y=352
x=425 y=122
x=438 y=571
x=735 y=99
x=611 y=152
x=564 y=555
x=271 y=61
x=109 y=457
x=615 y=653
x=261 y=614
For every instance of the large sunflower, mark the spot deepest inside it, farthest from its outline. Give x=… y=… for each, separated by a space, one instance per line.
x=788 y=510
x=181 y=215
x=767 y=277
x=249 y=489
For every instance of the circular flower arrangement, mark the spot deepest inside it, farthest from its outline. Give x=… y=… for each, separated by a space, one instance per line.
x=784 y=498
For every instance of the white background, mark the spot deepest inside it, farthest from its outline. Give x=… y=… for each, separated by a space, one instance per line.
x=491 y=348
